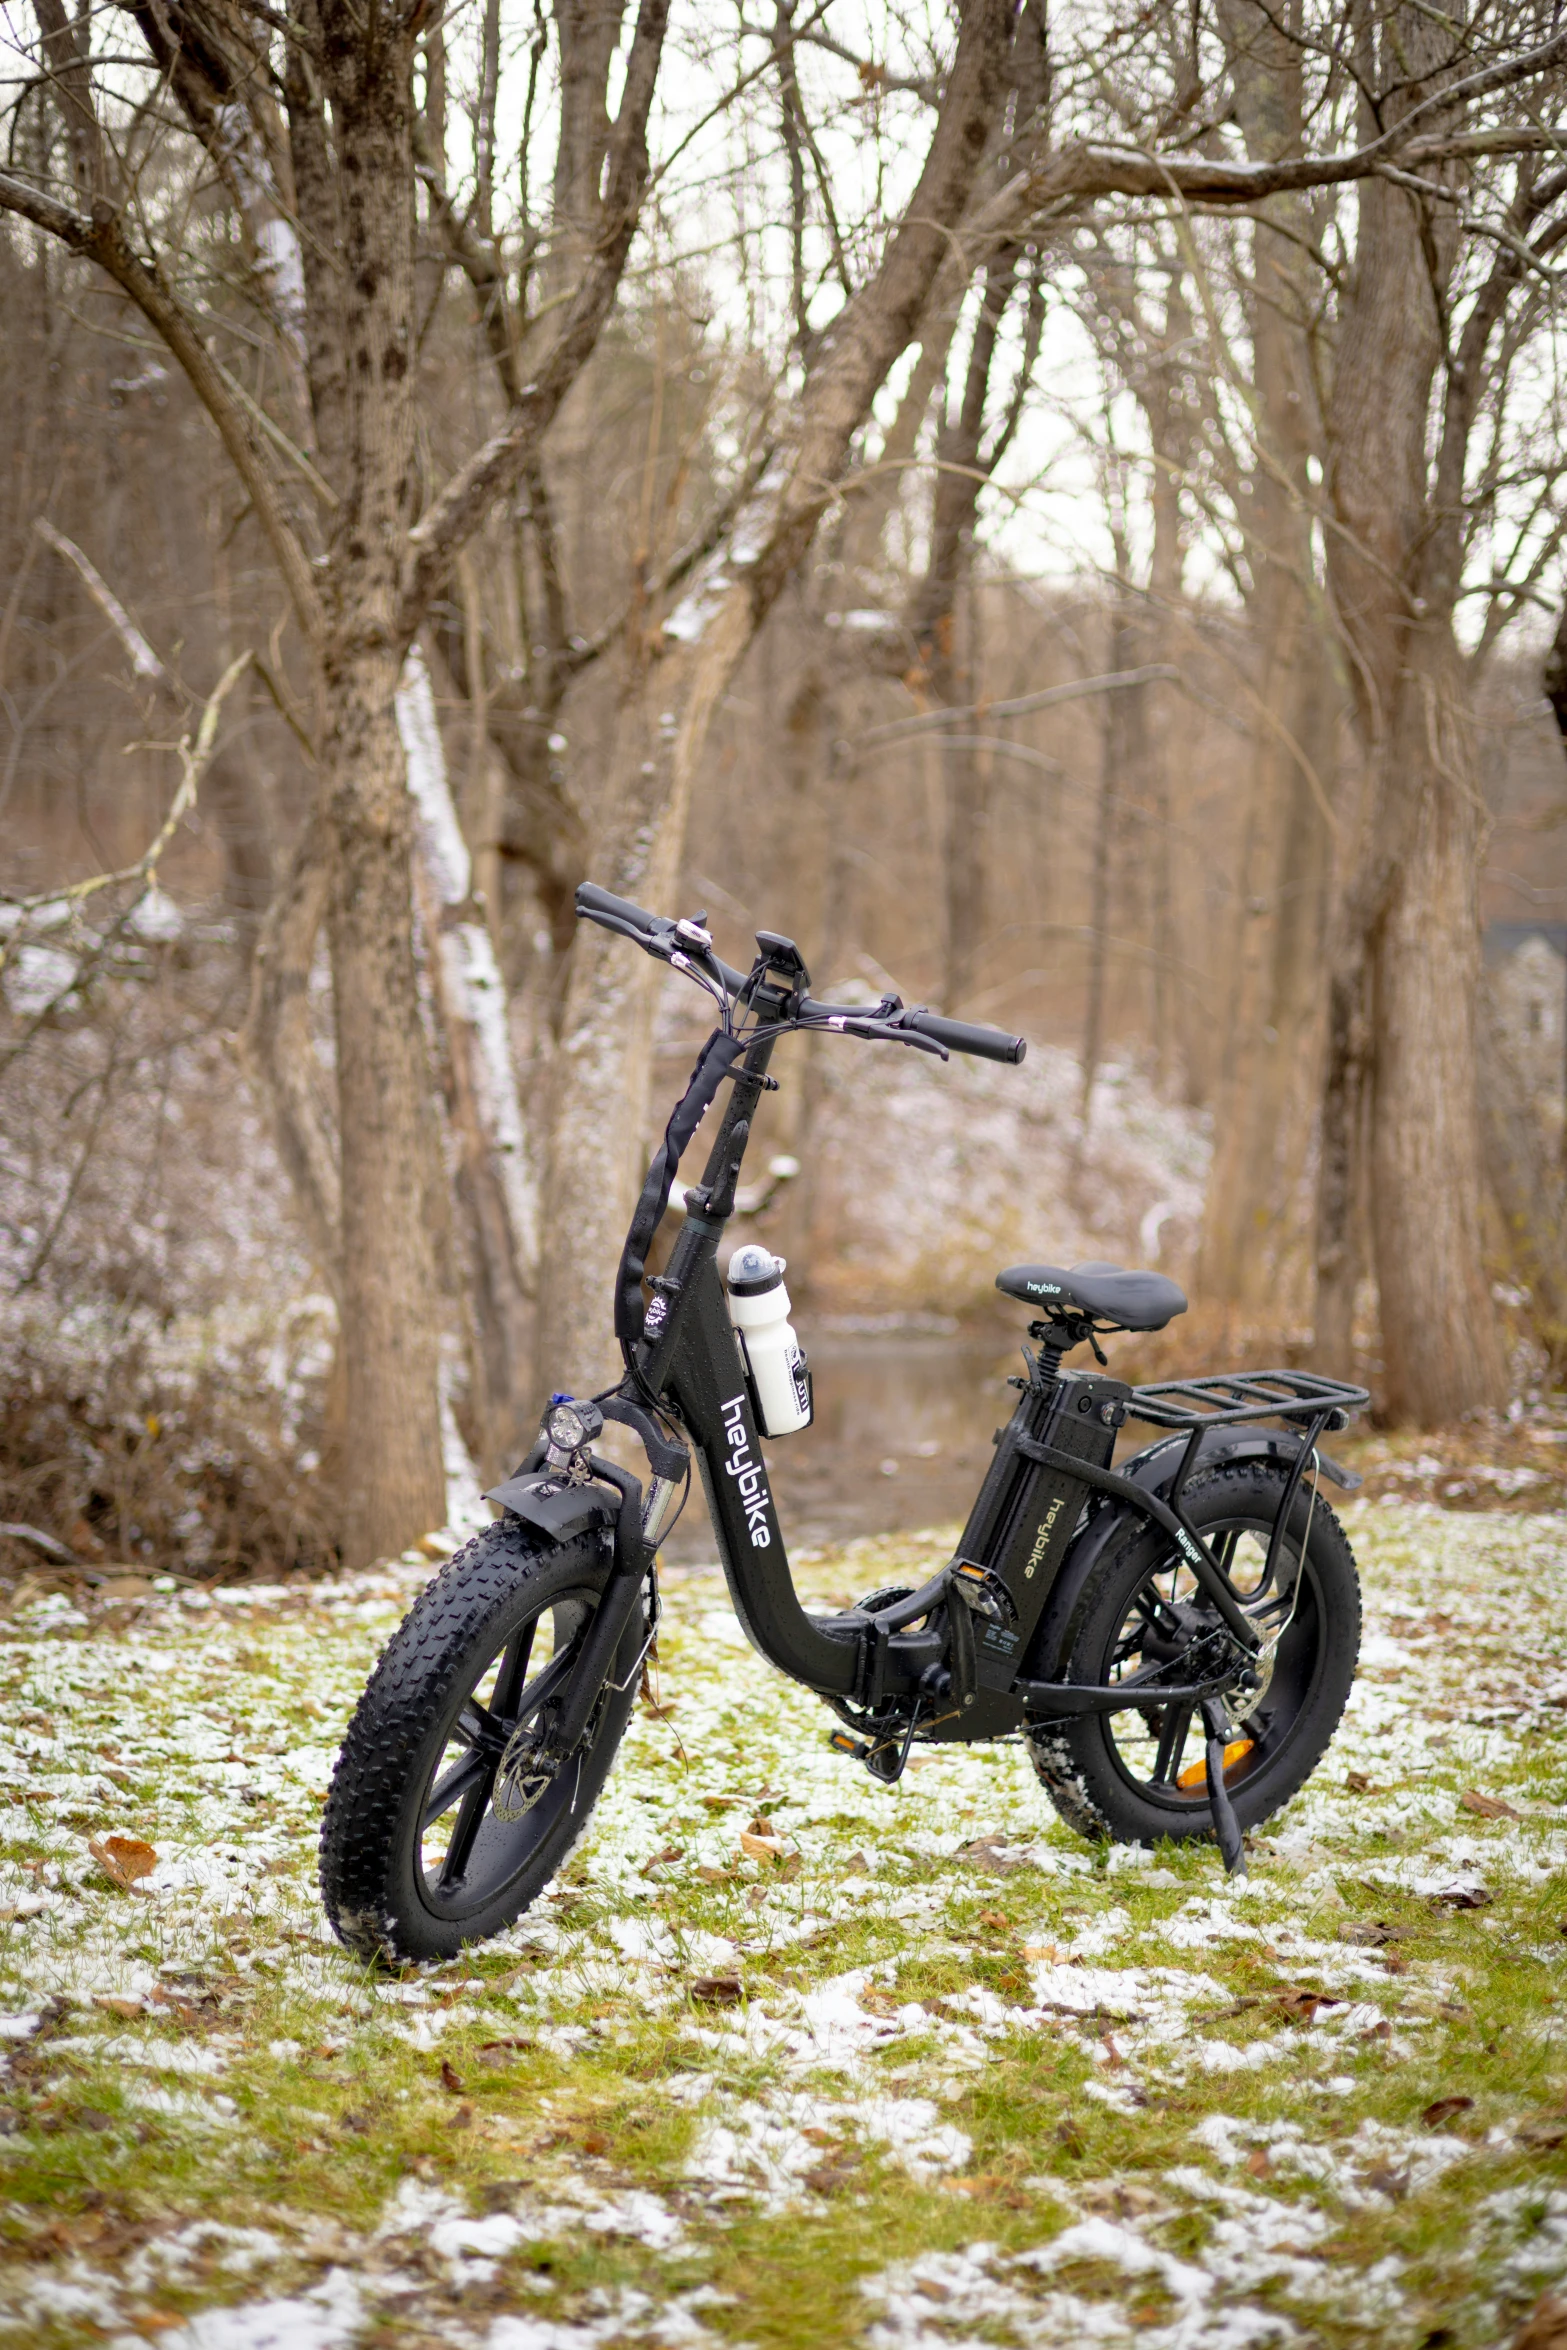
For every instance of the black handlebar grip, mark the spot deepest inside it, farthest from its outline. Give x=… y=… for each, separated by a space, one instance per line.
x=593 y=900
x=960 y=1036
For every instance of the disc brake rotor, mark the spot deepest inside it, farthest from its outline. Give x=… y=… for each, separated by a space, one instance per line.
x=522 y=1779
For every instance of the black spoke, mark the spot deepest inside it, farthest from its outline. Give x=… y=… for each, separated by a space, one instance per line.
x=474 y=1805
x=477 y=1727
x=513 y=1672
x=545 y=1686
x=447 y=1791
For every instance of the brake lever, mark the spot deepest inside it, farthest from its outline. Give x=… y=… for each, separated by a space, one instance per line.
x=884 y=1032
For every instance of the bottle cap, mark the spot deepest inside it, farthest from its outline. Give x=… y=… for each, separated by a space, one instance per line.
x=753 y=1269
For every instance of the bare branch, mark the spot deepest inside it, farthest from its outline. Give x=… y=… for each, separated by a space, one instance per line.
x=462 y=505
x=102 y=239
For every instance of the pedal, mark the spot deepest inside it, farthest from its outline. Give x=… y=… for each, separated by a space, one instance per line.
x=843 y=1742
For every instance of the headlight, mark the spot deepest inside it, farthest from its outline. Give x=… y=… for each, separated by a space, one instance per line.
x=569 y=1426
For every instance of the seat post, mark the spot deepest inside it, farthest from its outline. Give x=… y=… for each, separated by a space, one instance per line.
x=1052 y=1341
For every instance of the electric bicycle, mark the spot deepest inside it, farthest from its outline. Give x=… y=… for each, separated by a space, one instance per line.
x=1173 y=1639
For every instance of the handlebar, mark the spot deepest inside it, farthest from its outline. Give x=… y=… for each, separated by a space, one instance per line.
x=961 y=1036
x=593 y=901
x=658 y=935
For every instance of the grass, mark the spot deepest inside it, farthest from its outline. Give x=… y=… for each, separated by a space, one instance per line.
x=877 y=2089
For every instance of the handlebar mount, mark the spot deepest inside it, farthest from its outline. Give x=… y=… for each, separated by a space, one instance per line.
x=687 y=946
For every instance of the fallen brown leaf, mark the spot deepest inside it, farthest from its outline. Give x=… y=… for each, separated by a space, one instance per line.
x=1258 y=2164
x=716 y=1990
x=706 y=1876
x=828 y=2177
x=451 y=2078
x=1545 y=2327
x=1543 y=2137
x=1487 y=1807
x=1368 y=1936
x=1445 y=2109
x=989 y=1853
x=1298 y=1999
x=115 y=2006
x=760 y=1847
x=498 y=2053
x=1464 y=1897
x=1357 y=1783
x=994 y=1917
x=123 y=1859
x=670 y=1852
x=1394 y=2184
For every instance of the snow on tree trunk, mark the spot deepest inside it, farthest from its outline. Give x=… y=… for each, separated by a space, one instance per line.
x=496 y=1184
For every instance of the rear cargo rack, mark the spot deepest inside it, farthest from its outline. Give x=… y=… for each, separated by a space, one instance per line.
x=1229 y=1396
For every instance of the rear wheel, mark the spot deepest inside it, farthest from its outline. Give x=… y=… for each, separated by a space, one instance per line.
x=1139 y=1775
x=442 y=1824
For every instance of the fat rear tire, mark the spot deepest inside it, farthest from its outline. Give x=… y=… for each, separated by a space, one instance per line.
x=1081 y=1761
x=377 y=1890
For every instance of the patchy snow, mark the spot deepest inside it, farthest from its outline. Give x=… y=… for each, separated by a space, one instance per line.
x=841 y=2025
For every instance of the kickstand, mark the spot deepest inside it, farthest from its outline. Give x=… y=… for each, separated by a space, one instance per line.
x=1225 y=1825
x=891 y=1771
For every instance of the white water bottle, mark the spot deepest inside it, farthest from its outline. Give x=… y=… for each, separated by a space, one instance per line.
x=759 y=1310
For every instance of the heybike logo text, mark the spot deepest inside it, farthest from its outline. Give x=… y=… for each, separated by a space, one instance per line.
x=751 y=1484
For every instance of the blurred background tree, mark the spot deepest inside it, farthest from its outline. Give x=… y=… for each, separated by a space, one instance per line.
x=1068 y=517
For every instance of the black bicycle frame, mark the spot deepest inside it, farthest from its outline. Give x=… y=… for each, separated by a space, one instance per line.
x=1050 y=1459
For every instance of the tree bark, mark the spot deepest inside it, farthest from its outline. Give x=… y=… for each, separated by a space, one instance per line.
x=1278 y=871
x=1409 y=931
x=394 y=1476
x=1442 y=1354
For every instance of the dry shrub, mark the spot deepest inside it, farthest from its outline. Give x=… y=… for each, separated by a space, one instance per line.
x=165 y=1348
x=206 y=1464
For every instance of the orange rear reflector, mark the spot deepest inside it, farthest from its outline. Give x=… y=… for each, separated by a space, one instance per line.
x=1195 y=1775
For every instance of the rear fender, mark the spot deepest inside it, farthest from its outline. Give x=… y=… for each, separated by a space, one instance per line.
x=1154 y=1468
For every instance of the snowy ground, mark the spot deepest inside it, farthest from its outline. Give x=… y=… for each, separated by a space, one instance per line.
x=788 y=2058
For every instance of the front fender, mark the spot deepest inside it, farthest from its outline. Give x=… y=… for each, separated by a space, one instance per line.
x=557 y=1510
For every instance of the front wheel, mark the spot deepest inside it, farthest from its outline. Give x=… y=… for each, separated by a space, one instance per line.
x=1135 y=1776
x=440 y=1827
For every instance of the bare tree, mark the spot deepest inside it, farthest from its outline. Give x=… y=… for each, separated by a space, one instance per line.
x=315 y=128
x=676 y=675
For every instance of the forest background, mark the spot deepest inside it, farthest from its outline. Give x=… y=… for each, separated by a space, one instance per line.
x=1062 y=518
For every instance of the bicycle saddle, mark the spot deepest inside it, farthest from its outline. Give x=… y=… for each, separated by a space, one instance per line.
x=1133 y=1301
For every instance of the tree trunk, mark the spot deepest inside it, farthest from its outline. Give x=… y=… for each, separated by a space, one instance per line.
x=394 y=1478
x=1279 y=865
x=1410 y=911
x=1525 y=1181
x=1340 y=1158
x=1442 y=1354
x=499 y=1217
x=395 y=1486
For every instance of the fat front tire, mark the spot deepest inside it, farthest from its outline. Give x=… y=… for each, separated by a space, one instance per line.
x=436 y=1832
x=1137 y=1776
